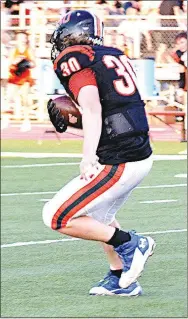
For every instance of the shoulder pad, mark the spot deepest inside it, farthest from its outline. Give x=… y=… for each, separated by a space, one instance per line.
x=84 y=54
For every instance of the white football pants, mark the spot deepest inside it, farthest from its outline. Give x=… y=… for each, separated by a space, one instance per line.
x=100 y=197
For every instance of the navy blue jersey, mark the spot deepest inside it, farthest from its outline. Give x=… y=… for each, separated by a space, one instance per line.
x=125 y=128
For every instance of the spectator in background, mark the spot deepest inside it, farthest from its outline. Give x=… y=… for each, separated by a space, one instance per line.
x=170 y=8
x=135 y=4
x=180 y=56
x=101 y=9
x=56 y=9
x=66 y=9
x=13 y=6
x=135 y=30
x=20 y=79
x=183 y=4
x=185 y=7
x=5 y=39
x=150 y=7
x=152 y=36
x=116 y=8
x=53 y=10
x=129 y=32
x=183 y=22
x=38 y=13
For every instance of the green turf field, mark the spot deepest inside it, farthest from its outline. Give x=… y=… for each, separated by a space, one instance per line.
x=53 y=279
x=159 y=147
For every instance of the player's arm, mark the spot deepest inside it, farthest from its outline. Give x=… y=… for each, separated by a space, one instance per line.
x=89 y=101
x=83 y=86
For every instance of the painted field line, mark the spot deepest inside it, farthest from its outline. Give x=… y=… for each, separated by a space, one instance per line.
x=159 y=201
x=41 y=155
x=181 y=175
x=162 y=186
x=40 y=165
x=53 y=192
x=27 y=194
x=169 y=157
x=79 y=155
x=43 y=242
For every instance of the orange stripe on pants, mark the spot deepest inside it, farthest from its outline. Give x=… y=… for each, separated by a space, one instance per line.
x=90 y=198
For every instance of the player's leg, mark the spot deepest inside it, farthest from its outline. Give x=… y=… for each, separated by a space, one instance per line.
x=95 y=199
x=133 y=176
x=66 y=211
x=110 y=282
x=86 y=227
x=111 y=279
x=113 y=258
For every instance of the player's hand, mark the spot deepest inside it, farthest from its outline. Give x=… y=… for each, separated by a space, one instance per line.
x=89 y=168
x=56 y=118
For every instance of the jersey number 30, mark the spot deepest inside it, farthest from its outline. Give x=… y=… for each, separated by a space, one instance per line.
x=126 y=84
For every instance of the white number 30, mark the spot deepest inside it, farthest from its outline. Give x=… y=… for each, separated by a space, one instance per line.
x=126 y=84
x=69 y=67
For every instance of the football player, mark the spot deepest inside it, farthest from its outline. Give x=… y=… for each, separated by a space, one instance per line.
x=116 y=149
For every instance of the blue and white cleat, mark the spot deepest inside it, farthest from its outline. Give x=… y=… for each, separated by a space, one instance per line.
x=109 y=286
x=134 y=255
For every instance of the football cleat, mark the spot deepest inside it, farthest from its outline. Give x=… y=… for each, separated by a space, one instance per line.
x=134 y=255
x=109 y=286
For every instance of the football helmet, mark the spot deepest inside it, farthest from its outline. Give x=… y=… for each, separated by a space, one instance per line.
x=75 y=24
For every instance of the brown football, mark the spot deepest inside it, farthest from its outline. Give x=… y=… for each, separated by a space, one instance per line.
x=69 y=111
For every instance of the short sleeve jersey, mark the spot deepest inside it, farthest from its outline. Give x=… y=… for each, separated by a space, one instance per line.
x=106 y=67
x=111 y=71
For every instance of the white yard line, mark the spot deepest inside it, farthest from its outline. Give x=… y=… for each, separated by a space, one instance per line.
x=53 y=192
x=27 y=194
x=41 y=242
x=169 y=157
x=163 y=186
x=79 y=155
x=40 y=165
x=159 y=201
x=41 y=155
x=181 y=175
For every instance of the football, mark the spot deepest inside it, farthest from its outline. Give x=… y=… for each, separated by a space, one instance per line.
x=69 y=110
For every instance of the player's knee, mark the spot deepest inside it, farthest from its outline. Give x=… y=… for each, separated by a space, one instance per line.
x=47 y=214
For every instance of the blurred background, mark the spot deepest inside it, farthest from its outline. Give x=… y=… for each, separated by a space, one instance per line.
x=152 y=33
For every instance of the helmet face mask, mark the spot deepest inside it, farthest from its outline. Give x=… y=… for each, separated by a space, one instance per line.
x=77 y=27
